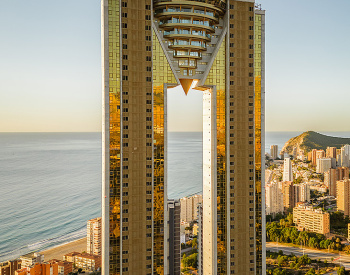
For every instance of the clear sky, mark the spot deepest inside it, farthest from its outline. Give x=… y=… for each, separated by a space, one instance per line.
x=50 y=67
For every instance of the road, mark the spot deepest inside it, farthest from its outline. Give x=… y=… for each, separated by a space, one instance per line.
x=312 y=253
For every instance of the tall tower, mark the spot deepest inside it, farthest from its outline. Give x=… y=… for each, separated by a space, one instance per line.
x=287 y=169
x=216 y=46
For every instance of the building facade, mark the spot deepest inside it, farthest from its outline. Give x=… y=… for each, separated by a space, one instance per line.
x=31 y=259
x=290 y=194
x=174 y=237
x=314 y=220
x=9 y=267
x=93 y=236
x=287 y=169
x=189 y=207
x=323 y=165
x=216 y=47
x=274 y=151
x=332 y=176
x=331 y=152
x=343 y=196
x=274 y=199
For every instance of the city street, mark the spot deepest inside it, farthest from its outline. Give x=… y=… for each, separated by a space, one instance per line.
x=312 y=253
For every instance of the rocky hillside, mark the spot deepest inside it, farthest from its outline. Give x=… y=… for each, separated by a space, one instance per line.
x=313 y=140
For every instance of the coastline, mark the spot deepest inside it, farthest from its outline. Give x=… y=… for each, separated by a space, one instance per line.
x=57 y=252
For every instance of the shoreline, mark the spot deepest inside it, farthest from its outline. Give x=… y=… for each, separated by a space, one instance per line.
x=57 y=252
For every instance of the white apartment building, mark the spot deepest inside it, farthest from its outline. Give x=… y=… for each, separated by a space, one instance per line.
x=345 y=156
x=287 y=169
x=323 y=165
x=93 y=240
x=274 y=199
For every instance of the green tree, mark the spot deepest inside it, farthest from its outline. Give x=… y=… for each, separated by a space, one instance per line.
x=304 y=260
x=194 y=243
x=341 y=270
x=190 y=261
x=311 y=271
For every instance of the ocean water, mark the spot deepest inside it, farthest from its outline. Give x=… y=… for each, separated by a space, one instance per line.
x=49 y=187
x=50 y=183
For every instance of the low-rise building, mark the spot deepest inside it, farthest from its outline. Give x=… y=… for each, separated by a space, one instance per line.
x=31 y=259
x=70 y=257
x=64 y=267
x=314 y=220
x=9 y=267
x=53 y=267
x=85 y=261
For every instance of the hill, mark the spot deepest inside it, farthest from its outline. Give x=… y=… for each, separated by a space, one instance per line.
x=312 y=140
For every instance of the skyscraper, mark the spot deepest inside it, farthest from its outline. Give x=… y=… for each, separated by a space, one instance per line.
x=93 y=236
x=287 y=169
x=217 y=47
x=274 y=151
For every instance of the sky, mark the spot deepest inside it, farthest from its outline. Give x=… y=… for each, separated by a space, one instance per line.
x=50 y=68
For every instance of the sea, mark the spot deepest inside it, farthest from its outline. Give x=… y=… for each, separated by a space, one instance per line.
x=50 y=183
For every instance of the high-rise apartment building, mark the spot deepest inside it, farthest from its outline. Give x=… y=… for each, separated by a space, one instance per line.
x=274 y=151
x=332 y=176
x=304 y=192
x=331 y=152
x=274 y=199
x=189 y=207
x=345 y=156
x=323 y=165
x=93 y=236
x=174 y=237
x=343 y=196
x=217 y=47
x=287 y=169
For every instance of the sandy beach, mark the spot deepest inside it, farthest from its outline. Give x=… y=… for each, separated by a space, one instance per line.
x=58 y=251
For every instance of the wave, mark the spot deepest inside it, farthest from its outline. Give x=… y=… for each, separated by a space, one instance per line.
x=44 y=244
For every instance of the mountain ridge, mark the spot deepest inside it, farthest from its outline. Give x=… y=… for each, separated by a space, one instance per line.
x=312 y=140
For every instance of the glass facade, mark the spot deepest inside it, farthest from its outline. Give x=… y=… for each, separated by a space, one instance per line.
x=258 y=139
x=162 y=75
x=217 y=80
x=114 y=136
x=138 y=73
